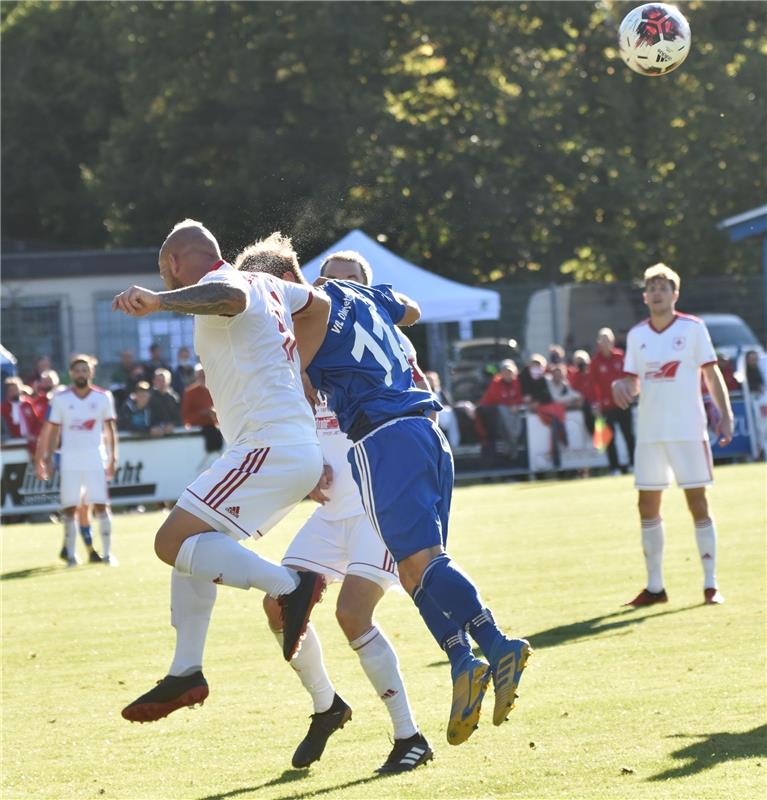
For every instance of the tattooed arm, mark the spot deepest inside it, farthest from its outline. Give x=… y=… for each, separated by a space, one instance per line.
x=200 y=298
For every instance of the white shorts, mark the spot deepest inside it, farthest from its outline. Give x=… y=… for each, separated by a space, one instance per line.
x=656 y=462
x=90 y=483
x=246 y=491
x=336 y=548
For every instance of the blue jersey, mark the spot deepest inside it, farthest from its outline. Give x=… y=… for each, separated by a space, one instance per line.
x=361 y=366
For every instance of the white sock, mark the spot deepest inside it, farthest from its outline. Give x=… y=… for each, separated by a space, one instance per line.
x=705 y=534
x=105 y=529
x=310 y=668
x=218 y=558
x=652 y=544
x=191 y=604
x=380 y=663
x=70 y=536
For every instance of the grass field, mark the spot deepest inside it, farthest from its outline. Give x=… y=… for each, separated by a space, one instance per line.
x=662 y=703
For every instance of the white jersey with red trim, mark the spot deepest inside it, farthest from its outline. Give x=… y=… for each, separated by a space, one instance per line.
x=82 y=426
x=251 y=362
x=668 y=363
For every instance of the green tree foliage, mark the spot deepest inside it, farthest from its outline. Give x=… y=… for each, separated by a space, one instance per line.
x=483 y=140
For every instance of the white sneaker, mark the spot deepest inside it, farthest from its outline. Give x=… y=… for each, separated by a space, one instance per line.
x=73 y=562
x=110 y=561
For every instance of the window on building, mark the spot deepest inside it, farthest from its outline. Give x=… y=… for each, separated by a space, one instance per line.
x=119 y=332
x=32 y=327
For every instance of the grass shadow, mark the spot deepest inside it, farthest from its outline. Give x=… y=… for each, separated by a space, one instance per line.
x=289 y=776
x=32 y=572
x=596 y=626
x=714 y=748
x=612 y=623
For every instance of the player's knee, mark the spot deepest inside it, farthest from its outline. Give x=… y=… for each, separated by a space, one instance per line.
x=68 y=512
x=698 y=507
x=273 y=613
x=648 y=508
x=165 y=548
x=353 y=619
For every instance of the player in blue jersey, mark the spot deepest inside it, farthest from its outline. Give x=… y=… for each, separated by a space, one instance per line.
x=362 y=371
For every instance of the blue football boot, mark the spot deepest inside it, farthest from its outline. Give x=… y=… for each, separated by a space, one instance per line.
x=508 y=658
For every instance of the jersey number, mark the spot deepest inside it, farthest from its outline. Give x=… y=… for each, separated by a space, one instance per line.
x=289 y=340
x=364 y=340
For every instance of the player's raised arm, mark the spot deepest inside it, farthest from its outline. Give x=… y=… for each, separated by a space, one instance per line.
x=412 y=310
x=202 y=298
x=189 y=259
x=310 y=325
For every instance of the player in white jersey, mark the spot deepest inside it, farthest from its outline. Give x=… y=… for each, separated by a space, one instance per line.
x=244 y=337
x=339 y=541
x=665 y=356
x=85 y=416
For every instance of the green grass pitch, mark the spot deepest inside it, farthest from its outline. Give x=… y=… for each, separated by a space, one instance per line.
x=662 y=703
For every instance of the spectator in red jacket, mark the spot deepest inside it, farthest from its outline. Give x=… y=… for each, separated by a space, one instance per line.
x=498 y=413
x=19 y=418
x=728 y=373
x=606 y=367
x=579 y=378
x=48 y=383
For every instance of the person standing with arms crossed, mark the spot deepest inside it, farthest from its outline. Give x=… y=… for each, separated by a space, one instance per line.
x=664 y=358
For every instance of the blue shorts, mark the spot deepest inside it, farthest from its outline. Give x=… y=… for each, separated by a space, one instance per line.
x=404 y=471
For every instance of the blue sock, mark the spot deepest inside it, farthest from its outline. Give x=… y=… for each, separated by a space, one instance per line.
x=454 y=593
x=85 y=532
x=449 y=637
x=485 y=632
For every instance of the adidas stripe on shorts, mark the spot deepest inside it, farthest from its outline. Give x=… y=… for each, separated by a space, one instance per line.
x=340 y=547
x=249 y=489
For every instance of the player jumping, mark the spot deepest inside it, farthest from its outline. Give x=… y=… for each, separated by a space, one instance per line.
x=403 y=468
x=244 y=337
x=339 y=541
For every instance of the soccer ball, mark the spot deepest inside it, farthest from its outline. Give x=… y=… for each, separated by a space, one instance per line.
x=654 y=39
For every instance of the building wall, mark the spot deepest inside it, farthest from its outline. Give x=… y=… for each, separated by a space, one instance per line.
x=84 y=323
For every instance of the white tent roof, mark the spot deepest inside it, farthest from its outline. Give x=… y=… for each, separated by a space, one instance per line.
x=441 y=300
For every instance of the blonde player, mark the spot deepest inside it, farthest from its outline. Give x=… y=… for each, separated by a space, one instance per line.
x=664 y=358
x=84 y=414
x=244 y=337
x=339 y=541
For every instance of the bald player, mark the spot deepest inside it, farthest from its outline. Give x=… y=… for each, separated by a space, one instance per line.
x=244 y=337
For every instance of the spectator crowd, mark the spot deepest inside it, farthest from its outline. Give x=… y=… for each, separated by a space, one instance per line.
x=151 y=398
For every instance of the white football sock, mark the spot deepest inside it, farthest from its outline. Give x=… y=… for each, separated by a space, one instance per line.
x=105 y=529
x=652 y=544
x=218 y=558
x=310 y=668
x=380 y=663
x=705 y=534
x=70 y=536
x=191 y=604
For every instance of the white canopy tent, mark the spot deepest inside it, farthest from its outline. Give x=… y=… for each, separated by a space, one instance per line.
x=441 y=300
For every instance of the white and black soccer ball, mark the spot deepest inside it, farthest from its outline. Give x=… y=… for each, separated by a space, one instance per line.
x=654 y=39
